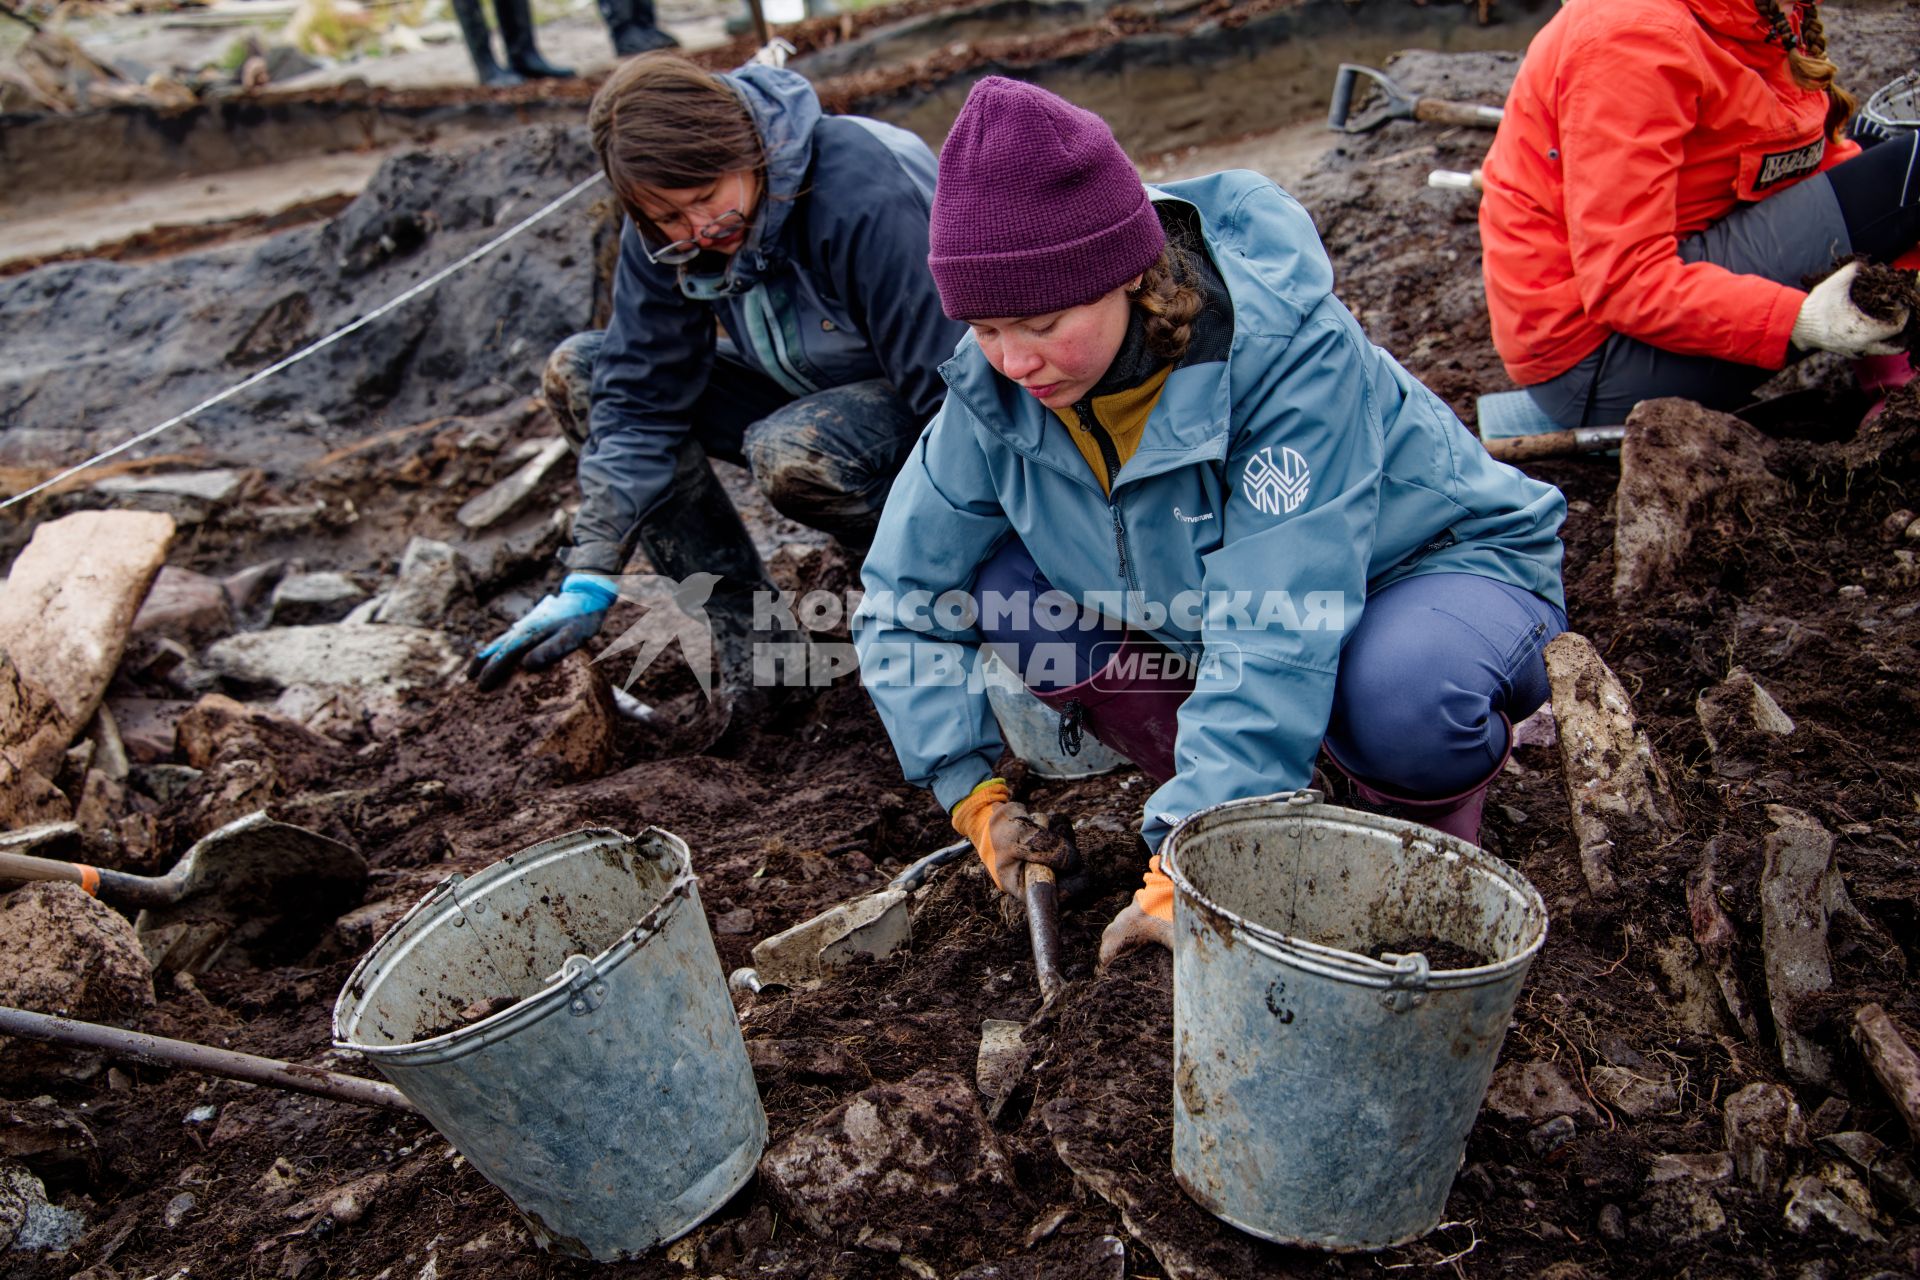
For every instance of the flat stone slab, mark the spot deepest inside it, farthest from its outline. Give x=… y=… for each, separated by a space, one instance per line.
x=306 y=598
x=72 y=597
x=185 y=606
x=431 y=577
x=893 y=1165
x=220 y=486
x=503 y=499
x=1793 y=918
x=334 y=654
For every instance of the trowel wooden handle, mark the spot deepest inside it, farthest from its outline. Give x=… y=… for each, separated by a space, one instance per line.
x=140 y=891
x=1556 y=444
x=20 y=866
x=1043 y=928
x=1471 y=114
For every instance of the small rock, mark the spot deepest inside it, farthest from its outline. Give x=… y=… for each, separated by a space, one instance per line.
x=288 y=518
x=1885 y=1168
x=1739 y=703
x=1537 y=730
x=1833 y=1197
x=1793 y=917
x=1001 y=1062
x=1551 y=1136
x=147 y=726
x=1611 y=1222
x=1535 y=1092
x=1853 y=591
x=177 y=1209
x=165 y=783
x=185 y=606
x=431 y=577
x=1635 y=1093
x=1895 y=525
x=1762 y=1124
x=1829 y=1117
x=366 y=657
x=806 y=1061
x=279 y=1181
x=366 y=613
x=70 y=954
x=1680 y=1213
x=734 y=923
x=249 y=586
x=28 y=1220
x=53 y=1144
x=304 y=599
x=345 y=1204
x=215 y=488
x=503 y=499
x=896 y=1158
x=1711 y=1166
x=1913 y=530
x=200 y=1115
x=507 y=553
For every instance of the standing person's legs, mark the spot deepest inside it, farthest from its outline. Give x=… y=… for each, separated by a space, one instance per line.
x=1430 y=682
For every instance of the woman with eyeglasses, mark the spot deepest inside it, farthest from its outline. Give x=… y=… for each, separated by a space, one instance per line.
x=804 y=238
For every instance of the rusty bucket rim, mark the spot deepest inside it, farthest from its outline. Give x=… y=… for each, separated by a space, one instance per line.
x=1337 y=962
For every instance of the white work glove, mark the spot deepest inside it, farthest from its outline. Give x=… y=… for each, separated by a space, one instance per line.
x=1829 y=321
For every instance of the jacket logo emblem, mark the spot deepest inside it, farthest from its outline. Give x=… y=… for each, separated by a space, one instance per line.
x=1276 y=486
x=1184 y=518
x=1782 y=166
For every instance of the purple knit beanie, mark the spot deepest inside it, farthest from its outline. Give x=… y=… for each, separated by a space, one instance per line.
x=1037 y=209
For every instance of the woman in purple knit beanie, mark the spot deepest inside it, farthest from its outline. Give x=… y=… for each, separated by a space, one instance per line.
x=1179 y=493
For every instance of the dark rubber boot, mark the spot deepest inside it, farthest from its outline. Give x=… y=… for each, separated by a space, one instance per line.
x=696 y=529
x=516 y=33
x=1456 y=815
x=473 y=28
x=1131 y=705
x=630 y=23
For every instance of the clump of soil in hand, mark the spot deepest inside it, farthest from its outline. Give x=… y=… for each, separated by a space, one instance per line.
x=1439 y=953
x=1883 y=292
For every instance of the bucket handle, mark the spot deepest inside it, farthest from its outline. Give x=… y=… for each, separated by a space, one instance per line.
x=586 y=991
x=1407 y=985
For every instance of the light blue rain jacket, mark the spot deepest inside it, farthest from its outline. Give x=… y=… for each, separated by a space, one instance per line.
x=1308 y=462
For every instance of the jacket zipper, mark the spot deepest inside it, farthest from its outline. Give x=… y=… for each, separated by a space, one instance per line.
x=1110 y=456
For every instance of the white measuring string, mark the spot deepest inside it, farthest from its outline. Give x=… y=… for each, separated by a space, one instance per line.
x=558 y=202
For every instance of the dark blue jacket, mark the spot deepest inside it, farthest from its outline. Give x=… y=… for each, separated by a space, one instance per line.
x=830 y=288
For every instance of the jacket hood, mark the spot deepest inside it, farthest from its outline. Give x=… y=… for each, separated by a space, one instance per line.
x=1275 y=273
x=1740 y=20
x=785 y=110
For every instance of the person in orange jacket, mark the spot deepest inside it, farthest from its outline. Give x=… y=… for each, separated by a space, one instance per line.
x=1667 y=174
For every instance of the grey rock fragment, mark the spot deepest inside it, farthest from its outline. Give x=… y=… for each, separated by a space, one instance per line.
x=1635 y=1093
x=1001 y=1061
x=1739 y=704
x=1832 y=1197
x=1799 y=858
x=303 y=599
x=1762 y=1125
x=1884 y=1167
x=1535 y=1092
x=503 y=499
x=364 y=657
x=431 y=578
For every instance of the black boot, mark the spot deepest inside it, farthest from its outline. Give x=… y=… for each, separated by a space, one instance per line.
x=759 y=673
x=631 y=25
x=516 y=33
x=473 y=26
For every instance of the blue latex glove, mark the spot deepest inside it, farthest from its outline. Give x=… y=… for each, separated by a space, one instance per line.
x=550 y=631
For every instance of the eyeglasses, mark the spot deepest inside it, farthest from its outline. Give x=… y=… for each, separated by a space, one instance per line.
x=683 y=251
x=723 y=227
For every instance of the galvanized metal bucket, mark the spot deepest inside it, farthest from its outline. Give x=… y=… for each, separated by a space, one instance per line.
x=1322 y=1096
x=1031 y=728
x=612 y=1101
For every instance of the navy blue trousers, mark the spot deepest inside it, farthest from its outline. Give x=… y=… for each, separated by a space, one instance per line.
x=1429 y=680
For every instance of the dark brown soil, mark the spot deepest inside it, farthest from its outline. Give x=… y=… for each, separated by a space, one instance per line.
x=1808 y=595
x=1884 y=292
x=1440 y=954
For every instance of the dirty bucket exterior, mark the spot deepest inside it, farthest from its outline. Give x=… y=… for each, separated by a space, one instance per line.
x=613 y=1101
x=1031 y=729
x=1323 y=1097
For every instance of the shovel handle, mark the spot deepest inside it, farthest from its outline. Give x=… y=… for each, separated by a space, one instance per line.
x=1043 y=928
x=138 y=891
x=1556 y=444
x=1471 y=114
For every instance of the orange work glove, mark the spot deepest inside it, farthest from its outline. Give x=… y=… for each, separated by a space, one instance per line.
x=1006 y=835
x=1155 y=897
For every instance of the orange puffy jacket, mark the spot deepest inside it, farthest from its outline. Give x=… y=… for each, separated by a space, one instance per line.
x=1632 y=124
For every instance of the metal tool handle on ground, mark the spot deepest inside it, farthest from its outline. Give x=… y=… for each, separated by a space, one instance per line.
x=1557 y=444
x=131 y=890
x=140 y=1047
x=1043 y=928
x=1454 y=180
x=1396 y=103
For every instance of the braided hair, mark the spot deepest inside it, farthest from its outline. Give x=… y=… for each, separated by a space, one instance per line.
x=1807 y=57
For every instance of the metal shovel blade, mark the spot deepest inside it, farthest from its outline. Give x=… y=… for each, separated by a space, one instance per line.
x=1395 y=103
x=255 y=867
